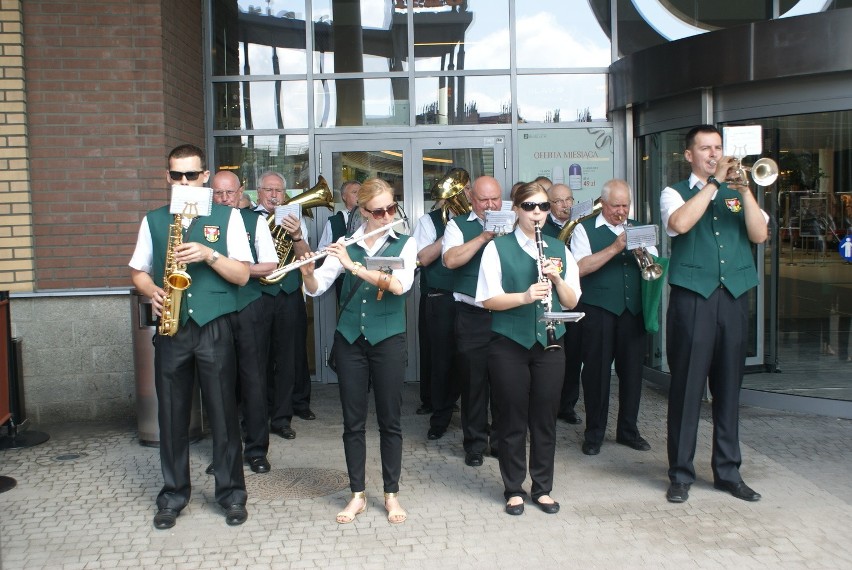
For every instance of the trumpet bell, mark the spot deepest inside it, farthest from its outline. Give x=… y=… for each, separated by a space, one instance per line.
x=764 y=172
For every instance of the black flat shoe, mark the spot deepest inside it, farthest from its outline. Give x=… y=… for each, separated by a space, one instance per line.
x=165 y=518
x=515 y=510
x=258 y=464
x=209 y=469
x=473 y=459
x=639 y=444
x=740 y=490
x=570 y=417
x=306 y=414
x=285 y=432
x=435 y=433
x=236 y=515
x=590 y=448
x=424 y=410
x=549 y=508
x=678 y=492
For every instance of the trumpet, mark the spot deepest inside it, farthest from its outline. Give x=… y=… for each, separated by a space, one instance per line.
x=547 y=302
x=649 y=269
x=764 y=172
x=279 y=273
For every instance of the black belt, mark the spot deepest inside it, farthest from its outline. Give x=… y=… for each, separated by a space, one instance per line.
x=433 y=292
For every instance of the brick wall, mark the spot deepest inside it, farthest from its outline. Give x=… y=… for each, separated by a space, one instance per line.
x=112 y=86
x=16 y=245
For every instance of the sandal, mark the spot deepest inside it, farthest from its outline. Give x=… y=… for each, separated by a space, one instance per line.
x=347 y=516
x=397 y=515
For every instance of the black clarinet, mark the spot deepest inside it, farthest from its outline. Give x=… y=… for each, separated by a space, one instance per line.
x=546 y=303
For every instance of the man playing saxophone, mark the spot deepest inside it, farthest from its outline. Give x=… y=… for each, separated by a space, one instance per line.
x=217 y=256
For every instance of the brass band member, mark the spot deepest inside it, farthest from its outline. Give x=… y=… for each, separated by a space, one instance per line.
x=526 y=378
x=370 y=342
x=217 y=256
x=614 y=327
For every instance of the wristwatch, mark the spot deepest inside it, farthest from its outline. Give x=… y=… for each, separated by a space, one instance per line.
x=712 y=180
x=213 y=258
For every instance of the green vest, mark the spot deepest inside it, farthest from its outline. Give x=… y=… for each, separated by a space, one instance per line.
x=436 y=275
x=716 y=251
x=210 y=296
x=364 y=314
x=466 y=276
x=522 y=324
x=550 y=228
x=251 y=290
x=338 y=226
x=617 y=285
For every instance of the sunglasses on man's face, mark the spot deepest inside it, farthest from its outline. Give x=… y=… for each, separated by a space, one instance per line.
x=530 y=206
x=192 y=175
x=379 y=213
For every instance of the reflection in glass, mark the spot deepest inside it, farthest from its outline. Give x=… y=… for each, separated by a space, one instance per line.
x=371 y=35
x=462 y=35
x=360 y=165
x=549 y=36
x=561 y=98
x=437 y=162
x=383 y=102
x=250 y=39
x=250 y=156
x=260 y=105
x=474 y=100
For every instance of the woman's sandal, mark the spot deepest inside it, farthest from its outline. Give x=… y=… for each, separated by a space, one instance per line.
x=347 y=516
x=395 y=516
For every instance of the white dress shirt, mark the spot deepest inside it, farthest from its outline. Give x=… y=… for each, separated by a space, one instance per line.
x=425 y=232
x=325 y=238
x=264 y=245
x=453 y=237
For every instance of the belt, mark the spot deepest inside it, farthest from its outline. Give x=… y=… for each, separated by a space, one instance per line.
x=433 y=292
x=471 y=308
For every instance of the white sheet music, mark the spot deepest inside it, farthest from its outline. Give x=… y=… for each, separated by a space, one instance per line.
x=642 y=236
x=191 y=201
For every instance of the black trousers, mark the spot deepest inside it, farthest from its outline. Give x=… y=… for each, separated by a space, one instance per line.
x=209 y=352
x=706 y=339
x=289 y=379
x=357 y=364
x=526 y=384
x=438 y=314
x=608 y=337
x=472 y=334
x=252 y=329
x=424 y=345
x=573 y=365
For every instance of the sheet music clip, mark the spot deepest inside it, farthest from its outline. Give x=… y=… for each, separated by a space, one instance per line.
x=562 y=317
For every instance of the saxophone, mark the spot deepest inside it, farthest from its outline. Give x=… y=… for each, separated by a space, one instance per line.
x=175 y=280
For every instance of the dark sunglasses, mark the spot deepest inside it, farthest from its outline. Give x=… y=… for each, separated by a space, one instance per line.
x=530 y=206
x=191 y=175
x=379 y=213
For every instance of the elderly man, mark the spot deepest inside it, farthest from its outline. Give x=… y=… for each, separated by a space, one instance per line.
x=289 y=379
x=464 y=240
x=217 y=257
x=252 y=325
x=613 y=328
x=561 y=203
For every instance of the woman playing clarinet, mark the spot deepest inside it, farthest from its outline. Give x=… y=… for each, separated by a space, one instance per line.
x=521 y=274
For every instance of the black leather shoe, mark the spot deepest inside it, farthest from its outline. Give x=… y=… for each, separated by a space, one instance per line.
x=570 y=417
x=424 y=409
x=639 y=444
x=285 y=432
x=258 y=464
x=306 y=414
x=165 y=518
x=590 y=448
x=515 y=510
x=473 y=459
x=740 y=490
x=549 y=508
x=678 y=492
x=236 y=515
x=435 y=433
x=209 y=469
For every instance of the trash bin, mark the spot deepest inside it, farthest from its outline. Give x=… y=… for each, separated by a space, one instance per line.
x=144 y=326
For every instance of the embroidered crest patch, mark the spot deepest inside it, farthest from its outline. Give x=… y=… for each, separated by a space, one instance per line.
x=211 y=233
x=733 y=204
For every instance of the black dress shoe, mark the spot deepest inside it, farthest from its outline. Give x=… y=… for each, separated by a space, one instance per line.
x=285 y=432
x=678 y=492
x=258 y=464
x=515 y=510
x=424 y=409
x=209 y=469
x=435 y=433
x=165 y=518
x=590 y=448
x=639 y=444
x=740 y=490
x=549 y=508
x=473 y=459
x=236 y=515
x=570 y=417
x=306 y=414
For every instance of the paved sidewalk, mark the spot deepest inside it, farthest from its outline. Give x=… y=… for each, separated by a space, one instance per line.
x=95 y=511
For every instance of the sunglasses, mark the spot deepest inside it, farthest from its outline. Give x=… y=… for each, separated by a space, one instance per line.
x=379 y=213
x=530 y=206
x=191 y=175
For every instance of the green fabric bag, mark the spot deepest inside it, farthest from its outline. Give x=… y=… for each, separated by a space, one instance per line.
x=652 y=292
